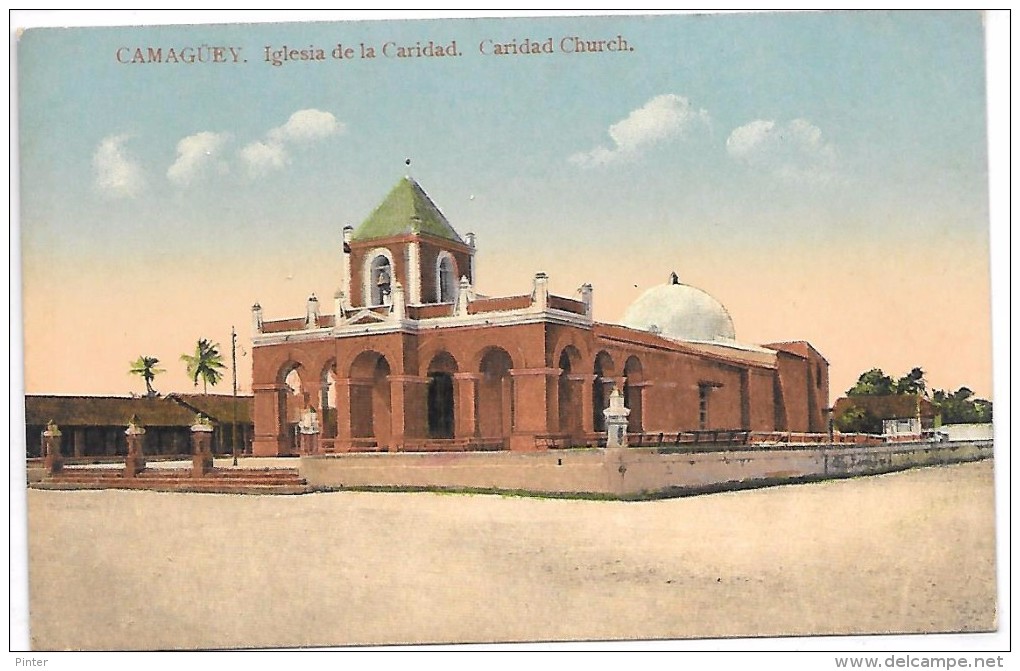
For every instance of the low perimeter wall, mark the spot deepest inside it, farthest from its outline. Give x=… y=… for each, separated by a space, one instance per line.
x=627 y=472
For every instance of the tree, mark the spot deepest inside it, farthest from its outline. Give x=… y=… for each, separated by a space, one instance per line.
x=145 y=367
x=960 y=407
x=205 y=364
x=872 y=383
x=911 y=383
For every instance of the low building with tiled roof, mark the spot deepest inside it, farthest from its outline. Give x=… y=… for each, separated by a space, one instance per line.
x=93 y=426
x=898 y=413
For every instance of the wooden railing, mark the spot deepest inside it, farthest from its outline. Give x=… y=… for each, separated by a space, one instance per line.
x=333 y=446
x=717 y=439
x=798 y=438
x=554 y=441
x=700 y=440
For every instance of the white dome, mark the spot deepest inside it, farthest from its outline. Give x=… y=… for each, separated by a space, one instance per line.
x=680 y=311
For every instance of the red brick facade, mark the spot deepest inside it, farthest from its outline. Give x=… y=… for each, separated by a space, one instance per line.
x=517 y=373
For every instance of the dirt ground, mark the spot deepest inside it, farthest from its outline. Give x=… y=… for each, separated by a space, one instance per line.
x=905 y=552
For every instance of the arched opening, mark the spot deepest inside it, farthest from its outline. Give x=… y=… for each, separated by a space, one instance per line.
x=328 y=412
x=632 y=393
x=380 y=279
x=495 y=394
x=292 y=402
x=440 y=398
x=446 y=278
x=370 y=399
x=568 y=392
x=604 y=369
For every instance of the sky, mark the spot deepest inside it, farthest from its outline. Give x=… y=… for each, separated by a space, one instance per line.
x=824 y=175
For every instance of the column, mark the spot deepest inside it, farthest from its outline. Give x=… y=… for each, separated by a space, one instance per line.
x=509 y=405
x=536 y=410
x=345 y=256
x=256 y=319
x=407 y=409
x=540 y=293
x=583 y=390
x=269 y=426
x=635 y=402
x=470 y=239
x=465 y=404
x=312 y=312
x=344 y=431
x=414 y=273
x=586 y=298
x=79 y=442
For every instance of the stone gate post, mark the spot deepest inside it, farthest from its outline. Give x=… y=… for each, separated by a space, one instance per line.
x=201 y=447
x=135 y=461
x=54 y=461
x=616 y=420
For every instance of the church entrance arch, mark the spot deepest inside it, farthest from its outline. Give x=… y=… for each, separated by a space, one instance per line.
x=440 y=396
x=495 y=394
x=370 y=399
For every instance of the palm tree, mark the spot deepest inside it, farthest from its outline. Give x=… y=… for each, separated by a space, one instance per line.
x=206 y=363
x=145 y=367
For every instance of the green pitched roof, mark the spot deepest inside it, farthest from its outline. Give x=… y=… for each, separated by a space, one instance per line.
x=407 y=209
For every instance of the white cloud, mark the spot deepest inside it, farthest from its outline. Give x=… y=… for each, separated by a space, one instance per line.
x=271 y=153
x=306 y=125
x=196 y=154
x=263 y=157
x=662 y=118
x=750 y=138
x=117 y=174
x=795 y=151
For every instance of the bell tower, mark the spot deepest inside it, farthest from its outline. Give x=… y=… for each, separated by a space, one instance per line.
x=407 y=239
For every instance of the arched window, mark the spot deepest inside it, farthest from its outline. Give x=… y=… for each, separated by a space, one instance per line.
x=446 y=278
x=380 y=279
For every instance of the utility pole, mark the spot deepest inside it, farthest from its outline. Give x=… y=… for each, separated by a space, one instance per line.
x=233 y=371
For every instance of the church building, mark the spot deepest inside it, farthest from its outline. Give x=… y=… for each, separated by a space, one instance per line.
x=414 y=358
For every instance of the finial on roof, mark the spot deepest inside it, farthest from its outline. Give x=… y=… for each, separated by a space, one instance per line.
x=674 y=278
x=407 y=162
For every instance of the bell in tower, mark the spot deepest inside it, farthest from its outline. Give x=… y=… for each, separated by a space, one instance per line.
x=407 y=239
